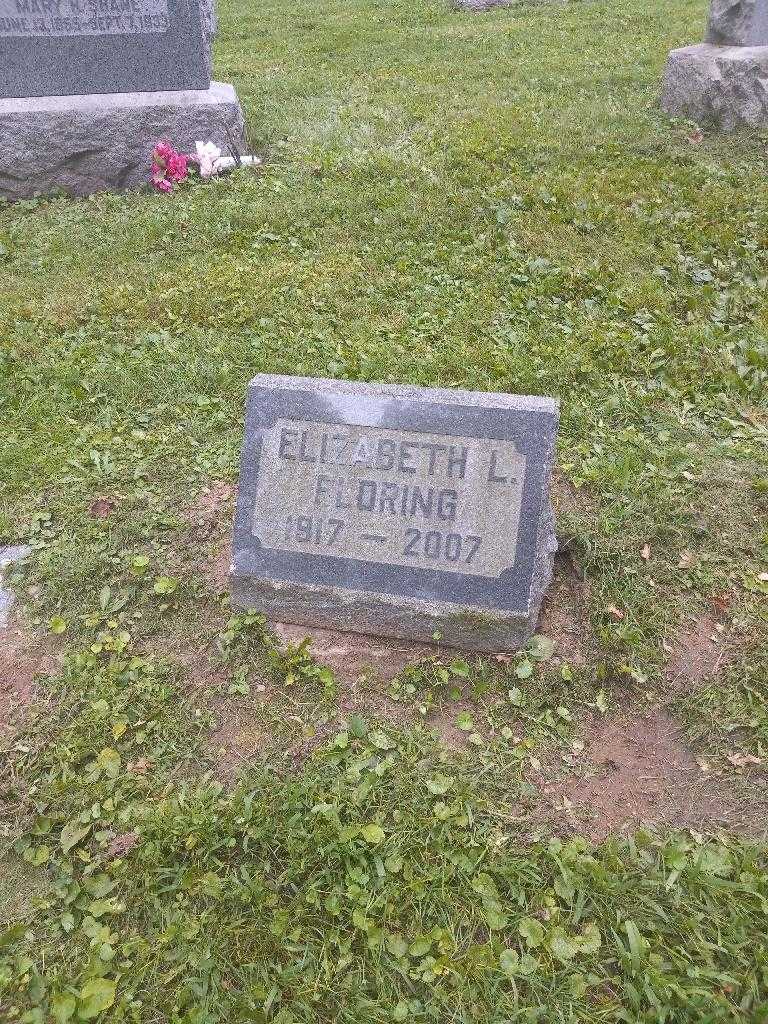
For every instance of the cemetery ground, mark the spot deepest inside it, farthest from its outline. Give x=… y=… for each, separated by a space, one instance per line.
x=207 y=819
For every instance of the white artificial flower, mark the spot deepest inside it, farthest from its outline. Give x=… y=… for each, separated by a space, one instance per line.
x=208 y=149
x=211 y=162
x=226 y=163
x=207 y=154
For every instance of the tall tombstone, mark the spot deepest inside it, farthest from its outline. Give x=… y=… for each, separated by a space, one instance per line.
x=87 y=87
x=398 y=511
x=738 y=23
x=479 y=6
x=721 y=83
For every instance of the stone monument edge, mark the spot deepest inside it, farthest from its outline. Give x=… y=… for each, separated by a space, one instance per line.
x=466 y=627
x=720 y=83
x=461 y=396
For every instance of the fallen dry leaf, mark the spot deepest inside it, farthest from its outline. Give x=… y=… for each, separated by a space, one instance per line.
x=615 y=613
x=123 y=844
x=645 y=552
x=102 y=507
x=504 y=659
x=696 y=137
x=686 y=560
x=722 y=601
x=742 y=760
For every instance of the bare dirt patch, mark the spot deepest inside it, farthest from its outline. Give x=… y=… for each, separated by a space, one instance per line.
x=218 y=570
x=701 y=647
x=568 y=499
x=565 y=614
x=238 y=739
x=102 y=508
x=269 y=724
x=636 y=772
x=22 y=660
x=199 y=668
x=352 y=656
x=363 y=665
x=276 y=721
x=20 y=886
x=630 y=765
x=442 y=721
x=214 y=497
x=210 y=515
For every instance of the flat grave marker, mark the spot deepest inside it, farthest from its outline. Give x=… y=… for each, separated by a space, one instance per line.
x=399 y=511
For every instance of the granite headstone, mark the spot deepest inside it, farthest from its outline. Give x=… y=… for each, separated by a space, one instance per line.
x=88 y=87
x=399 y=511
x=738 y=23
x=479 y=6
x=71 y=47
x=721 y=83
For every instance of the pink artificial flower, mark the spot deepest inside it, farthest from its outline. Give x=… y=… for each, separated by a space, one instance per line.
x=161 y=184
x=168 y=167
x=164 y=150
x=177 y=167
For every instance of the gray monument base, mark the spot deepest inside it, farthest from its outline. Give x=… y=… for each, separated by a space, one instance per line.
x=468 y=628
x=722 y=87
x=86 y=144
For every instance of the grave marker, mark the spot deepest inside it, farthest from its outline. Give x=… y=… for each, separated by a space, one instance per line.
x=738 y=23
x=398 y=511
x=70 y=47
x=87 y=87
x=721 y=83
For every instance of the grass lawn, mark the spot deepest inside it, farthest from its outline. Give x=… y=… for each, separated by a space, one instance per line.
x=207 y=820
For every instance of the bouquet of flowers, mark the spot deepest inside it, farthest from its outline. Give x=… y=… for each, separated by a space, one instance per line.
x=170 y=168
